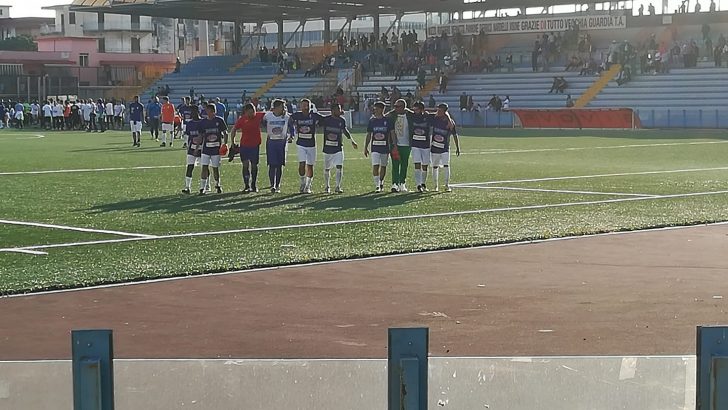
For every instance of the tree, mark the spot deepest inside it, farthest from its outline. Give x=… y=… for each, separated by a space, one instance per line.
x=20 y=43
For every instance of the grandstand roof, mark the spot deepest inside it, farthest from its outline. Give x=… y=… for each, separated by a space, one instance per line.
x=271 y=10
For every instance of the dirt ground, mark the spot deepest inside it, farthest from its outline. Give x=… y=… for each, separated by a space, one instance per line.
x=625 y=294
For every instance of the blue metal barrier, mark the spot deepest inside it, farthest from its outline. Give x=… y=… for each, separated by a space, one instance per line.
x=712 y=368
x=407 y=369
x=93 y=369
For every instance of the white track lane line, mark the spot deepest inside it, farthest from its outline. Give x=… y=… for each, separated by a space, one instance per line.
x=74 y=228
x=555 y=191
x=362 y=221
x=622 y=174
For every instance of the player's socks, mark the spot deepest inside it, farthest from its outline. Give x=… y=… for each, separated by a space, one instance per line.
x=246 y=178
x=272 y=175
x=203 y=186
x=377 y=182
x=339 y=177
x=279 y=175
x=254 y=177
x=303 y=183
x=309 y=182
x=423 y=178
x=188 y=182
x=436 y=177
x=447 y=176
x=327 y=178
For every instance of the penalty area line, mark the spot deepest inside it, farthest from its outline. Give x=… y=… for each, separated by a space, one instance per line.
x=368 y=220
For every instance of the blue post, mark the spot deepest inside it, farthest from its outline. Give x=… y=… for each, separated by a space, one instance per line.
x=712 y=368
x=407 y=369
x=93 y=369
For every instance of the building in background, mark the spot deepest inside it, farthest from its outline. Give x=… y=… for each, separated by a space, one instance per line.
x=16 y=27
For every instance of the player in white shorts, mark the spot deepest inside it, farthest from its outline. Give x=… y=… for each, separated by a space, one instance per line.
x=442 y=128
x=334 y=127
x=194 y=143
x=302 y=124
x=214 y=133
x=380 y=138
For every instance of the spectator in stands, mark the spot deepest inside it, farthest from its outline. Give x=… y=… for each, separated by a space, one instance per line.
x=431 y=103
x=625 y=75
x=569 y=101
x=509 y=62
x=177 y=65
x=651 y=9
x=507 y=103
x=554 y=85
x=562 y=85
x=495 y=104
x=698 y=7
x=574 y=63
x=534 y=56
x=443 y=83
x=641 y=10
x=464 y=101
x=712 y=5
x=421 y=79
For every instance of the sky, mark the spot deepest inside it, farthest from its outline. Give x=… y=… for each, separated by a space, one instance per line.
x=32 y=8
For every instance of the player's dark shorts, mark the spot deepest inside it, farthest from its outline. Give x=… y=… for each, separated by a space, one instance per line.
x=276 y=152
x=251 y=154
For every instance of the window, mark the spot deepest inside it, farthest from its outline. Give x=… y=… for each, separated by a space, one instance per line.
x=71 y=18
x=135 y=46
x=135 y=22
x=197 y=44
x=83 y=60
x=181 y=43
x=1 y=12
x=102 y=45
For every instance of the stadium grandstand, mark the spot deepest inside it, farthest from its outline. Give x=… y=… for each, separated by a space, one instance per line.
x=563 y=261
x=604 y=55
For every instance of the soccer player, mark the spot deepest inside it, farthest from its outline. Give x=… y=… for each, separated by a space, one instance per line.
x=214 y=133
x=185 y=111
x=334 y=126
x=109 y=111
x=421 y=124
x=136 y=116
x=34 y=111
x=154 y=111
x=380 y=135
x=57 y=116
x=303 y=126
x=168 y=112
x=250 y=140
x=401 y=117
x=194 y=146
x=276 y=122
x=442 y=128
x=47 y=115
x=19 y=117
x=119 y=114
x=101 y=117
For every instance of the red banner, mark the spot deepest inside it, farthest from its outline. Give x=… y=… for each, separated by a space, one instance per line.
x=623 y=118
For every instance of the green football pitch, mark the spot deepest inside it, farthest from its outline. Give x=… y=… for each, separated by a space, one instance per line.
x=82 y=209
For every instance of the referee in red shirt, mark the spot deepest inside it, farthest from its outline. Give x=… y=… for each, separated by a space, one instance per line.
x=250 y=140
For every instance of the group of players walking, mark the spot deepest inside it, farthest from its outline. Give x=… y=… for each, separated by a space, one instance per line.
x=398 y=134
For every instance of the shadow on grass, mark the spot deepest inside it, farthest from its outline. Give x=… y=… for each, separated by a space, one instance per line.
x=237 y=201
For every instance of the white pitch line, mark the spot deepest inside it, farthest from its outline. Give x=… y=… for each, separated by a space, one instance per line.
x=491 y=151
x=27 y=251
x=622 y=174
x=556 y=191
x=519 y=151
x=74 y=228
x=64 y=171
x=368 y=220
x=366 y=258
